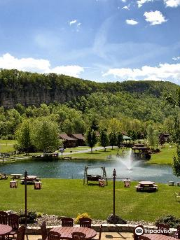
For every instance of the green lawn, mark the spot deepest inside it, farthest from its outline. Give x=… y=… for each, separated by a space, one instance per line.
x=76 y=149
x=7 y=145
x=165 y=156
x=97 y=154
x=69 y=197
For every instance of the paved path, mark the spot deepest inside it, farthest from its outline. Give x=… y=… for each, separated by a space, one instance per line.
x=86 y=150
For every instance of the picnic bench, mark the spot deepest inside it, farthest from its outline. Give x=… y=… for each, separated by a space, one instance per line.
x=30 y=179
x=146 y=186
x=16 y=176
x=3 y=176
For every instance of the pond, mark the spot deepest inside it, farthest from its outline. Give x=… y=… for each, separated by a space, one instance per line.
x=74 y=169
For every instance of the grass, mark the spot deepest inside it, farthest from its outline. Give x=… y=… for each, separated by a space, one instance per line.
x=75 y=149
x=69 y=197
x=7 y=146
x=165 y=156
x=96 y=154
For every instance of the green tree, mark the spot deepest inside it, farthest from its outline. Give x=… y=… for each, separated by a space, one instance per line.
x=91 y=139
x=119 y=139
x=152 y=136
x=112 y=139
x=176 y=162
x=94 y=125
x=175 y=102
x=45 y=135
x=104 y=141
x=23 y=136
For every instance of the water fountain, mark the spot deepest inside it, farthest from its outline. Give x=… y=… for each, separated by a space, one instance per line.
x=129 y=167
x=128 y=161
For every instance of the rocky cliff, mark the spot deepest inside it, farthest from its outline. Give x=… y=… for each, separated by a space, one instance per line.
x=34 y=89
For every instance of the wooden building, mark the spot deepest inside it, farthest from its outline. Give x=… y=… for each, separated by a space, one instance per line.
x=81 y=141
x=68 y=141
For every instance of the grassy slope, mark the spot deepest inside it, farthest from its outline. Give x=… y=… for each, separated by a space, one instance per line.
x=96 y=154
x=7 y=145
x=70 y=197
x=165 y=156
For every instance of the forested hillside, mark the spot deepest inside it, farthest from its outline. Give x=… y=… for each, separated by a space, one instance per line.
x=74 y=104
x=34 y=89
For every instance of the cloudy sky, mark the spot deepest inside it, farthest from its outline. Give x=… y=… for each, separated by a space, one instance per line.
x=99 y=40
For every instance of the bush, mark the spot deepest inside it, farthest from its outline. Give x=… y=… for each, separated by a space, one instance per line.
x=82 y=215
x=8 y=137
x=171 y=220
x=31 y=217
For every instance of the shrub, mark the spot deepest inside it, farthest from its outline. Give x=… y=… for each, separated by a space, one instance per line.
x=31 y=217
x=171 y=220
x=81 y=215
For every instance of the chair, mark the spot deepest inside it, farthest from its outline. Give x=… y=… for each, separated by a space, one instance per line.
x=85 y=222
x=67 y=222
x=177 y=233
x=13 y=221
x=141 y=237
x=52 y=235
x=100 y=233
x=44 y=231
x=164 y=228
x=78 y=236
x=21 y=233
x=3 y=217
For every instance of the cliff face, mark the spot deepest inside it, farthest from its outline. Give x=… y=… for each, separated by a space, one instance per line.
x=34 y=89
x=35 y=96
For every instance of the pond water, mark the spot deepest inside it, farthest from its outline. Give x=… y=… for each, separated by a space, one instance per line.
x=74 y=169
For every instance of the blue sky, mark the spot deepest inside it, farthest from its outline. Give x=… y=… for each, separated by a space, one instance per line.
x=99 y=40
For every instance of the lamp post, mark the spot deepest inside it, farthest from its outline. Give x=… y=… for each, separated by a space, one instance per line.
x=37 y=185
x=25 y=191
x=114 y=184
x=113 y=218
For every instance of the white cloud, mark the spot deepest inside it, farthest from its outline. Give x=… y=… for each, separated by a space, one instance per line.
x=131 y=22
x=141 y=2
x=72 y=70
x=76 y=24
x=155 y=17
x=176 y=58
x=25 y=64
x=162 y=72
x=172 y=3
x=72 y=22
x=7 y=61
x=127 y=7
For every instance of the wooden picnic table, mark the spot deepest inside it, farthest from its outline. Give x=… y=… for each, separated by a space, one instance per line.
x=30 y=179
x=158 y=237
x=66 y=232
x=5 y=229
x=146 y=186
x=16 y=175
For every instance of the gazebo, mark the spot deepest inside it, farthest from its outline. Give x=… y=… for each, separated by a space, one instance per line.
x=141 y=152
